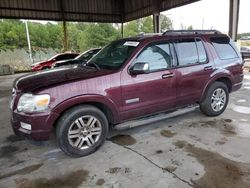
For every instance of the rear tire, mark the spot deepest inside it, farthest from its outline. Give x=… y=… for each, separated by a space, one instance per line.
x=216 y=99
x=81 y=130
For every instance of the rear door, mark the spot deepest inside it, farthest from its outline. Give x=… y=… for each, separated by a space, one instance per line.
x=155 y=91
x=194 y=67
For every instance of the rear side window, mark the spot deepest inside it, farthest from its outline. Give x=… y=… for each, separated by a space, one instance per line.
x=190 y=51
x=224 y=47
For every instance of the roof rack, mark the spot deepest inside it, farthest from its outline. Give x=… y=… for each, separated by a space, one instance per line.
x=141 y=34
x=177 y=32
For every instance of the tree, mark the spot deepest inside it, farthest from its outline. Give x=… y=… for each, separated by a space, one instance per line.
x=190 y=27
x=166 y=23
x=147 y=25
x=97 y=35
x=131 y=28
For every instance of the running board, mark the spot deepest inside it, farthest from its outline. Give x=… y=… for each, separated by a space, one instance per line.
x=154 y=118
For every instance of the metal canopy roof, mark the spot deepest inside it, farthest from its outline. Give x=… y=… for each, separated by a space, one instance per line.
x=114 y=11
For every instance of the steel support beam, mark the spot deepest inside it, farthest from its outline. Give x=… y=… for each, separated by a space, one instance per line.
x=122 y=30
x=234 y=7
x=156 y=22
x=156 y=4
x=65 y=35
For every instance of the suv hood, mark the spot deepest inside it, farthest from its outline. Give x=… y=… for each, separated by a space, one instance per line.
x=37 y=80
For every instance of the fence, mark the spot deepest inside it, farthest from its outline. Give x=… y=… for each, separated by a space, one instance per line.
x=18 y=59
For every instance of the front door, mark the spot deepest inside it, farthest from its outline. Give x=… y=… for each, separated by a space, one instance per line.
x=152 y=92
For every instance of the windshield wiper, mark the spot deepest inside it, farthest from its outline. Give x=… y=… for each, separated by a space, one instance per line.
x=95 y=65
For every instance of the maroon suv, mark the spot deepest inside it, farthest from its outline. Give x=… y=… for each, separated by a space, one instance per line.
x=127 y=80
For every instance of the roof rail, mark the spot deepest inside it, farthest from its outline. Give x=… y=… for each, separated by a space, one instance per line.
x=141 y=34
x=176 y=32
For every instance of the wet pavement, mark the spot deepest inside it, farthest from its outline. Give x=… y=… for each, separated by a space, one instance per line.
x=191 y=150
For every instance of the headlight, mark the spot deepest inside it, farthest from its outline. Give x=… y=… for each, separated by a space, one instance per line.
x=33 y=103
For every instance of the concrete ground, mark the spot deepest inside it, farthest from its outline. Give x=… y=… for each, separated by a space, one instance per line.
x=191 y=150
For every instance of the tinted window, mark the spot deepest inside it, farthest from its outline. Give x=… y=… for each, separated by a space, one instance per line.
x=158 y=57
x=223 y=47
x=61 y=57
x=190 y=51
x=187 y=52
x=72 y=56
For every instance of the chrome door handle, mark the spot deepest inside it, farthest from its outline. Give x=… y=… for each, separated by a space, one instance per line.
x=208 y=68
x=170 y=75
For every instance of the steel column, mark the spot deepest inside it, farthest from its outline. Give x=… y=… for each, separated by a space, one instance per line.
x=233 y=18
x=156 y=22
x=65 y=36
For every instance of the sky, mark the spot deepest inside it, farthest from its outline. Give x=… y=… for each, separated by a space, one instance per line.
x=215 y=14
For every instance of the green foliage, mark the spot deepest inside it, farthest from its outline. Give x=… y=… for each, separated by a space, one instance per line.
x=190 y=27
x=81 y=36
x=131 y=28
x=145 y=25
x=241 y=35
x=166 y=23
x=97 y=35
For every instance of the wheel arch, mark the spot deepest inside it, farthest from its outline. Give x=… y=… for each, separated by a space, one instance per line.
x=225 y=78
x=100 y=102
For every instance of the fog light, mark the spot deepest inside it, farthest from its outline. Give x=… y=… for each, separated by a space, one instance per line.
x=26 y=126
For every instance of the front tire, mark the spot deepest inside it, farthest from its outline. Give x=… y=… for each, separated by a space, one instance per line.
x=81 y=130
x=216 y=99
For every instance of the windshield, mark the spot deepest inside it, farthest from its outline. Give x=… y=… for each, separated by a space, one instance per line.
x=85 y=56
x=114 y=55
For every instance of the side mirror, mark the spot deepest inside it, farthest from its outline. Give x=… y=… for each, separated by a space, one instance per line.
x=139 y=68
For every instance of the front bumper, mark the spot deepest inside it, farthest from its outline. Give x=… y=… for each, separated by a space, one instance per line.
x=41 y=124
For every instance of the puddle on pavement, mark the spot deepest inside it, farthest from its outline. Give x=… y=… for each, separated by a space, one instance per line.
x=241 y=101
x=22 y=171
x=195 y=138
x=246 y=83
x=69 y=180
x=100 y=182
x=179 y=143
x=243 y=120
x=246 y=76
x=167 y=133
x=123 y=140
x=8 y=151
x=5 y=93
x=17 y=162
x=225 y=126
x=243 y=129
x=158 y=151
x=222 y=141
x=117 y=170
x=219 y=171
x=14 y=138
x=240 y=109
x=170 y=168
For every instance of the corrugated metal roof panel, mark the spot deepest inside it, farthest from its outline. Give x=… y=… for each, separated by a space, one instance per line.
x=84 y=10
